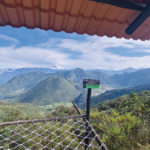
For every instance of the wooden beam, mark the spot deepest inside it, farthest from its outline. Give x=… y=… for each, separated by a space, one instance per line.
x=41 y=120
x=139 y=20
x=123 y=4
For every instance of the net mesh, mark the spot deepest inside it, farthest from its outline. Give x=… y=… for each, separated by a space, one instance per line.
x=64 y=134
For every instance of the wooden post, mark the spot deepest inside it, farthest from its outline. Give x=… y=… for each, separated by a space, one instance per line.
x=87 y=117
x=104 y=147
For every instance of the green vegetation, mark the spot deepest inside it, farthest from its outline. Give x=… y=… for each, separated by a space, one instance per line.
x=54 y=105
x=23 y=81
x=108 y=95
x=22 y=111
x=17 y=111
x=47 y=130
x=52 y=90
x=131 y=79
x=124 y=123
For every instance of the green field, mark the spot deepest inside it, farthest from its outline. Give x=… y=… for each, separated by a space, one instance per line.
x=54 y=105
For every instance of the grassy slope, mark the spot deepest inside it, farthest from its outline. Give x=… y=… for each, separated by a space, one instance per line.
x=109 y=95
x=52 y=106
x=19 y=82
x=53 y=89
x=25 y=109
x=112 y=94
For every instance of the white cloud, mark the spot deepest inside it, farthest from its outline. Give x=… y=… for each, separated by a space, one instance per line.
x=93 y=54
x=29 y=56
x=5 y=37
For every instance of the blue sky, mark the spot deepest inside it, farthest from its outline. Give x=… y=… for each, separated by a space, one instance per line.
x=21 y=47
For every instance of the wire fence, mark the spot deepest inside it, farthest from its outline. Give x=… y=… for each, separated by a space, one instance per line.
x=52 y=133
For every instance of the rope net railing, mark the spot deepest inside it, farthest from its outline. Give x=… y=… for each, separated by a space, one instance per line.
x=63 y=133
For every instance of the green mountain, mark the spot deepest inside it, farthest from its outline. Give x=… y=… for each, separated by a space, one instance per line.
x=123 y=99
x=24 y=82
x=77 y=85
x=122 y=80
x=132 y=79
x=81 y=98
x=21 y=83
x=77 y=75
x=108 y=95
x=8 y=74
x=53 y=89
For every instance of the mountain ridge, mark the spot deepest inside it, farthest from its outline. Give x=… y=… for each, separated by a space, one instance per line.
x=109 y=95
x=22 y=81
x=52 y=89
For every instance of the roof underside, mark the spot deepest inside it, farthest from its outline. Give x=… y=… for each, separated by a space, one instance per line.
x=140 y=1
x=80 y=16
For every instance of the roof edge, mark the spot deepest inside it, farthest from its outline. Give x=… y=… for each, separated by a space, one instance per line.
x=123 y=4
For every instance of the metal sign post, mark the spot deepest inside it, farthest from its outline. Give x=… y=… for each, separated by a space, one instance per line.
x=89 y=84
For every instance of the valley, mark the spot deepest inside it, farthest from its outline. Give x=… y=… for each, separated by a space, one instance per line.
x=50 y=89
x=39 y=94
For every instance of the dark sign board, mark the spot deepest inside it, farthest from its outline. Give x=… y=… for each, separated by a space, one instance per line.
x=89 y=83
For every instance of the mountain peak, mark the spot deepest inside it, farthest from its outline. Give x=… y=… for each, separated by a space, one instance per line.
x=53 y=89
x=78 y=69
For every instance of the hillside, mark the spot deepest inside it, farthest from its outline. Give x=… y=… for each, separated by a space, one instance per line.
x=77 y=85
x=121 y=80
x=8 y=74
x=132 y=79
x=77 y=75
x=109 y=95
x=24 y=110
x=81 y=98
x=123 y=99
x=123 y=123
x=22 y=82
x=53 y=89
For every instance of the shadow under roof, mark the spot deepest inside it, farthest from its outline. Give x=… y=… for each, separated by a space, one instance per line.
x=80 y=16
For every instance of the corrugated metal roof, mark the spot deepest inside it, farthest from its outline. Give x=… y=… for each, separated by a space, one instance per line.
x=80 y=16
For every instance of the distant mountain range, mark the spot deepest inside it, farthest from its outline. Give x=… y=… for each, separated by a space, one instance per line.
x=42 y=88
x=8 y=74
x=122 y=80
x=113 y=72
x=108 y=95
x=24 y=81
x=132 y=79
x=77 y=75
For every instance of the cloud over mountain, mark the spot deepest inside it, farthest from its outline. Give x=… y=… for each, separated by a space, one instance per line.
x=31 y=48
